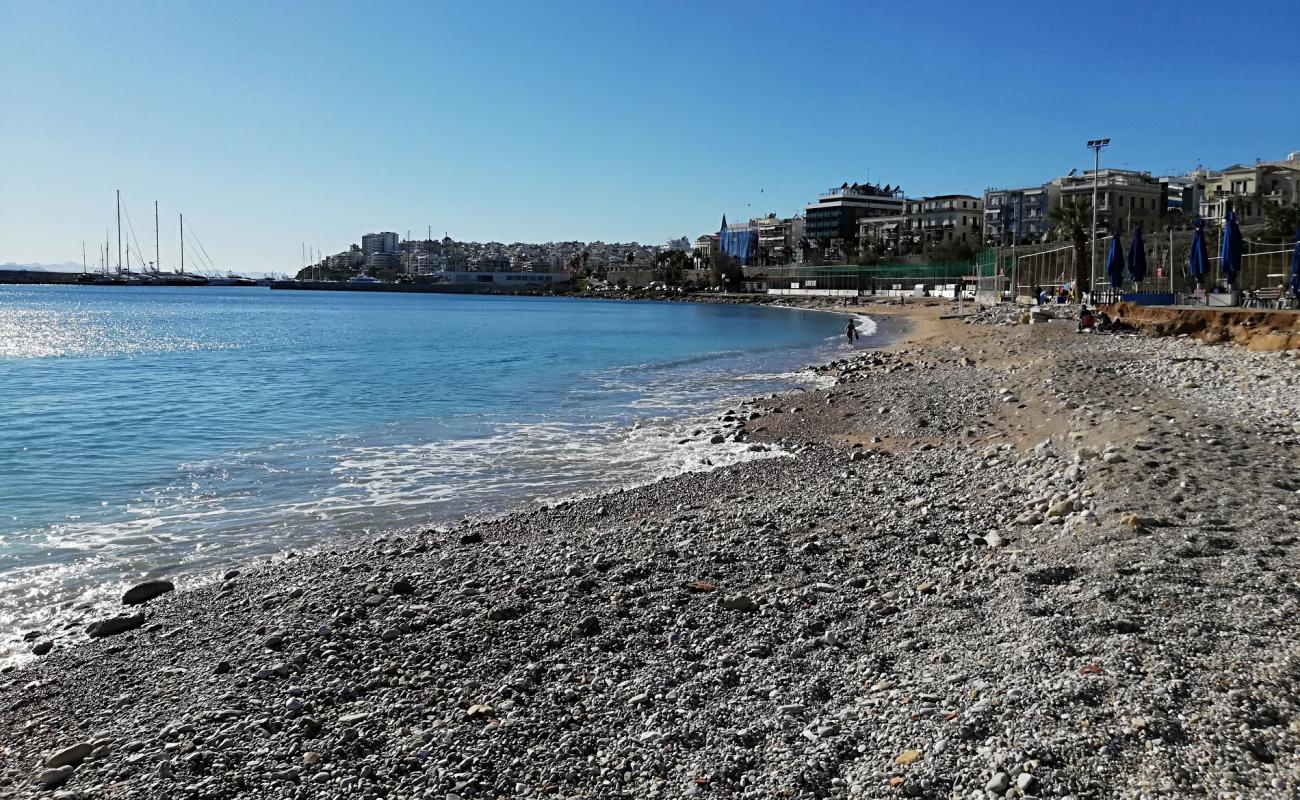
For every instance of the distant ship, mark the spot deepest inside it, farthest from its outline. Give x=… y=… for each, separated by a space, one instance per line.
x=231 y=279
x=180 y=279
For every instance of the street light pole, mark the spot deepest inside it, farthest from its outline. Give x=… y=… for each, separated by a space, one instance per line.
x=1096 y=145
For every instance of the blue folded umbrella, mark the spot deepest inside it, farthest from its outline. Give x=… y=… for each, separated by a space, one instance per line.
x=1230 y=253
x=1115 y=261
x=1196 y=261
x=1295 y=266
x=1137 y=256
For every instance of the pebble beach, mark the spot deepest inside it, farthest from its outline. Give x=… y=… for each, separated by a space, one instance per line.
x=985 y=561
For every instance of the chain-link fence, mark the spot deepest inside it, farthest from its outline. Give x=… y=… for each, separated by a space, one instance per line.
x=1045 y=270
x=992 y=271
x=875 y=279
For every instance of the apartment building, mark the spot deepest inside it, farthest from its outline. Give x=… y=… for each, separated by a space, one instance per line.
x=1125 y=198
x=925 y=221
x=778 y=239
x=373 y=243
x=950 y=218
x=897 y=234
x=1247 y=187
x=1017 y=216
x=1183 y=194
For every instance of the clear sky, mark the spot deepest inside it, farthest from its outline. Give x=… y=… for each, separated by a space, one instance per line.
x=272 y=123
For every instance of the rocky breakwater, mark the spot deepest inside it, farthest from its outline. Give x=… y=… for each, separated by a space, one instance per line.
x=985 y=605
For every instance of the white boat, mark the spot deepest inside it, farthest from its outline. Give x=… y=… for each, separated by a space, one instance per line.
x=363 y=279
x=231 y=279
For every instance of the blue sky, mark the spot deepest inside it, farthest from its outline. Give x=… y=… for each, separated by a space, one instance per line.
x=269 y=124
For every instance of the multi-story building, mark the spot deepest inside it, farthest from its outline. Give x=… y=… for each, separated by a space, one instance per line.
x=1017 y=216
x=941 y=219
x=382 y=261
x=949 y=218
x=493 y=262
x=349 y=260
x=834 y=217
x=1248 y=187
x=778 y=239
x=1183 y=194
x=682 y=244
x=376 y=243
x=897 y=234
x=1125 y=198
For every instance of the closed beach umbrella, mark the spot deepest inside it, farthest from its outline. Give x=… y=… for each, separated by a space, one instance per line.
x=1115 y=261
x=1230 y=253
x=1137 y=256
x=1295 y=266
x=1196 y=262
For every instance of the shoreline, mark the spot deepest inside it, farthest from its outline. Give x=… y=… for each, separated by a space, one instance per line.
x=999 y=561
x=63 y=628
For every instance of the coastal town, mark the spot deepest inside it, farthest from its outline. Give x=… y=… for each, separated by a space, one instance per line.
x=887 y=238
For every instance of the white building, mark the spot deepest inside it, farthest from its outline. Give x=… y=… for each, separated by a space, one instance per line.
x=374 y=243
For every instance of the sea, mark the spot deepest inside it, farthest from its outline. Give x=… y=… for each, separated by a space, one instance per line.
x=175 y=432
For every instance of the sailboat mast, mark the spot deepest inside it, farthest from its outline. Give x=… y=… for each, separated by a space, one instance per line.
x=119 y=230
x=83 y=257
x=157 y=251
x=182 y=242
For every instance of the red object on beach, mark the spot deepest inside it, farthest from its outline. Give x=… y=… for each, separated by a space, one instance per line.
x=1090 y=669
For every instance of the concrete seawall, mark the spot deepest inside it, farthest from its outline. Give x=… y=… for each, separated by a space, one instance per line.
x=32 y=276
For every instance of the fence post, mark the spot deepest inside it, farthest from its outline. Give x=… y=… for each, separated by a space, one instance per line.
x=1015 y=277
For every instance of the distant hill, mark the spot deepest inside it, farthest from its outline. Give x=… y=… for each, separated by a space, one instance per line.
x=66 y=266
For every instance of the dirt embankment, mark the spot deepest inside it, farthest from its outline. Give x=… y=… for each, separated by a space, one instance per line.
x=1256 y=329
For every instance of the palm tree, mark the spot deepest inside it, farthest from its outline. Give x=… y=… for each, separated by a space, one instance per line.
x=1065 y=217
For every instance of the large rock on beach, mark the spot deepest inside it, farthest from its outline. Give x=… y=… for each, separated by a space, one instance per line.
x=144 y=592
x=69 y=756
x=53 y=778
x=114 y=625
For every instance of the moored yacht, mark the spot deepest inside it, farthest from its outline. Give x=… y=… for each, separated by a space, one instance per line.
x=231 y=279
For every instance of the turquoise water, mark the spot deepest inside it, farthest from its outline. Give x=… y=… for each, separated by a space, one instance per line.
x=167 y=431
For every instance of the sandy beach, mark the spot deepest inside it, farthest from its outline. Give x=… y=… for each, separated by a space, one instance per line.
x=991 y=561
